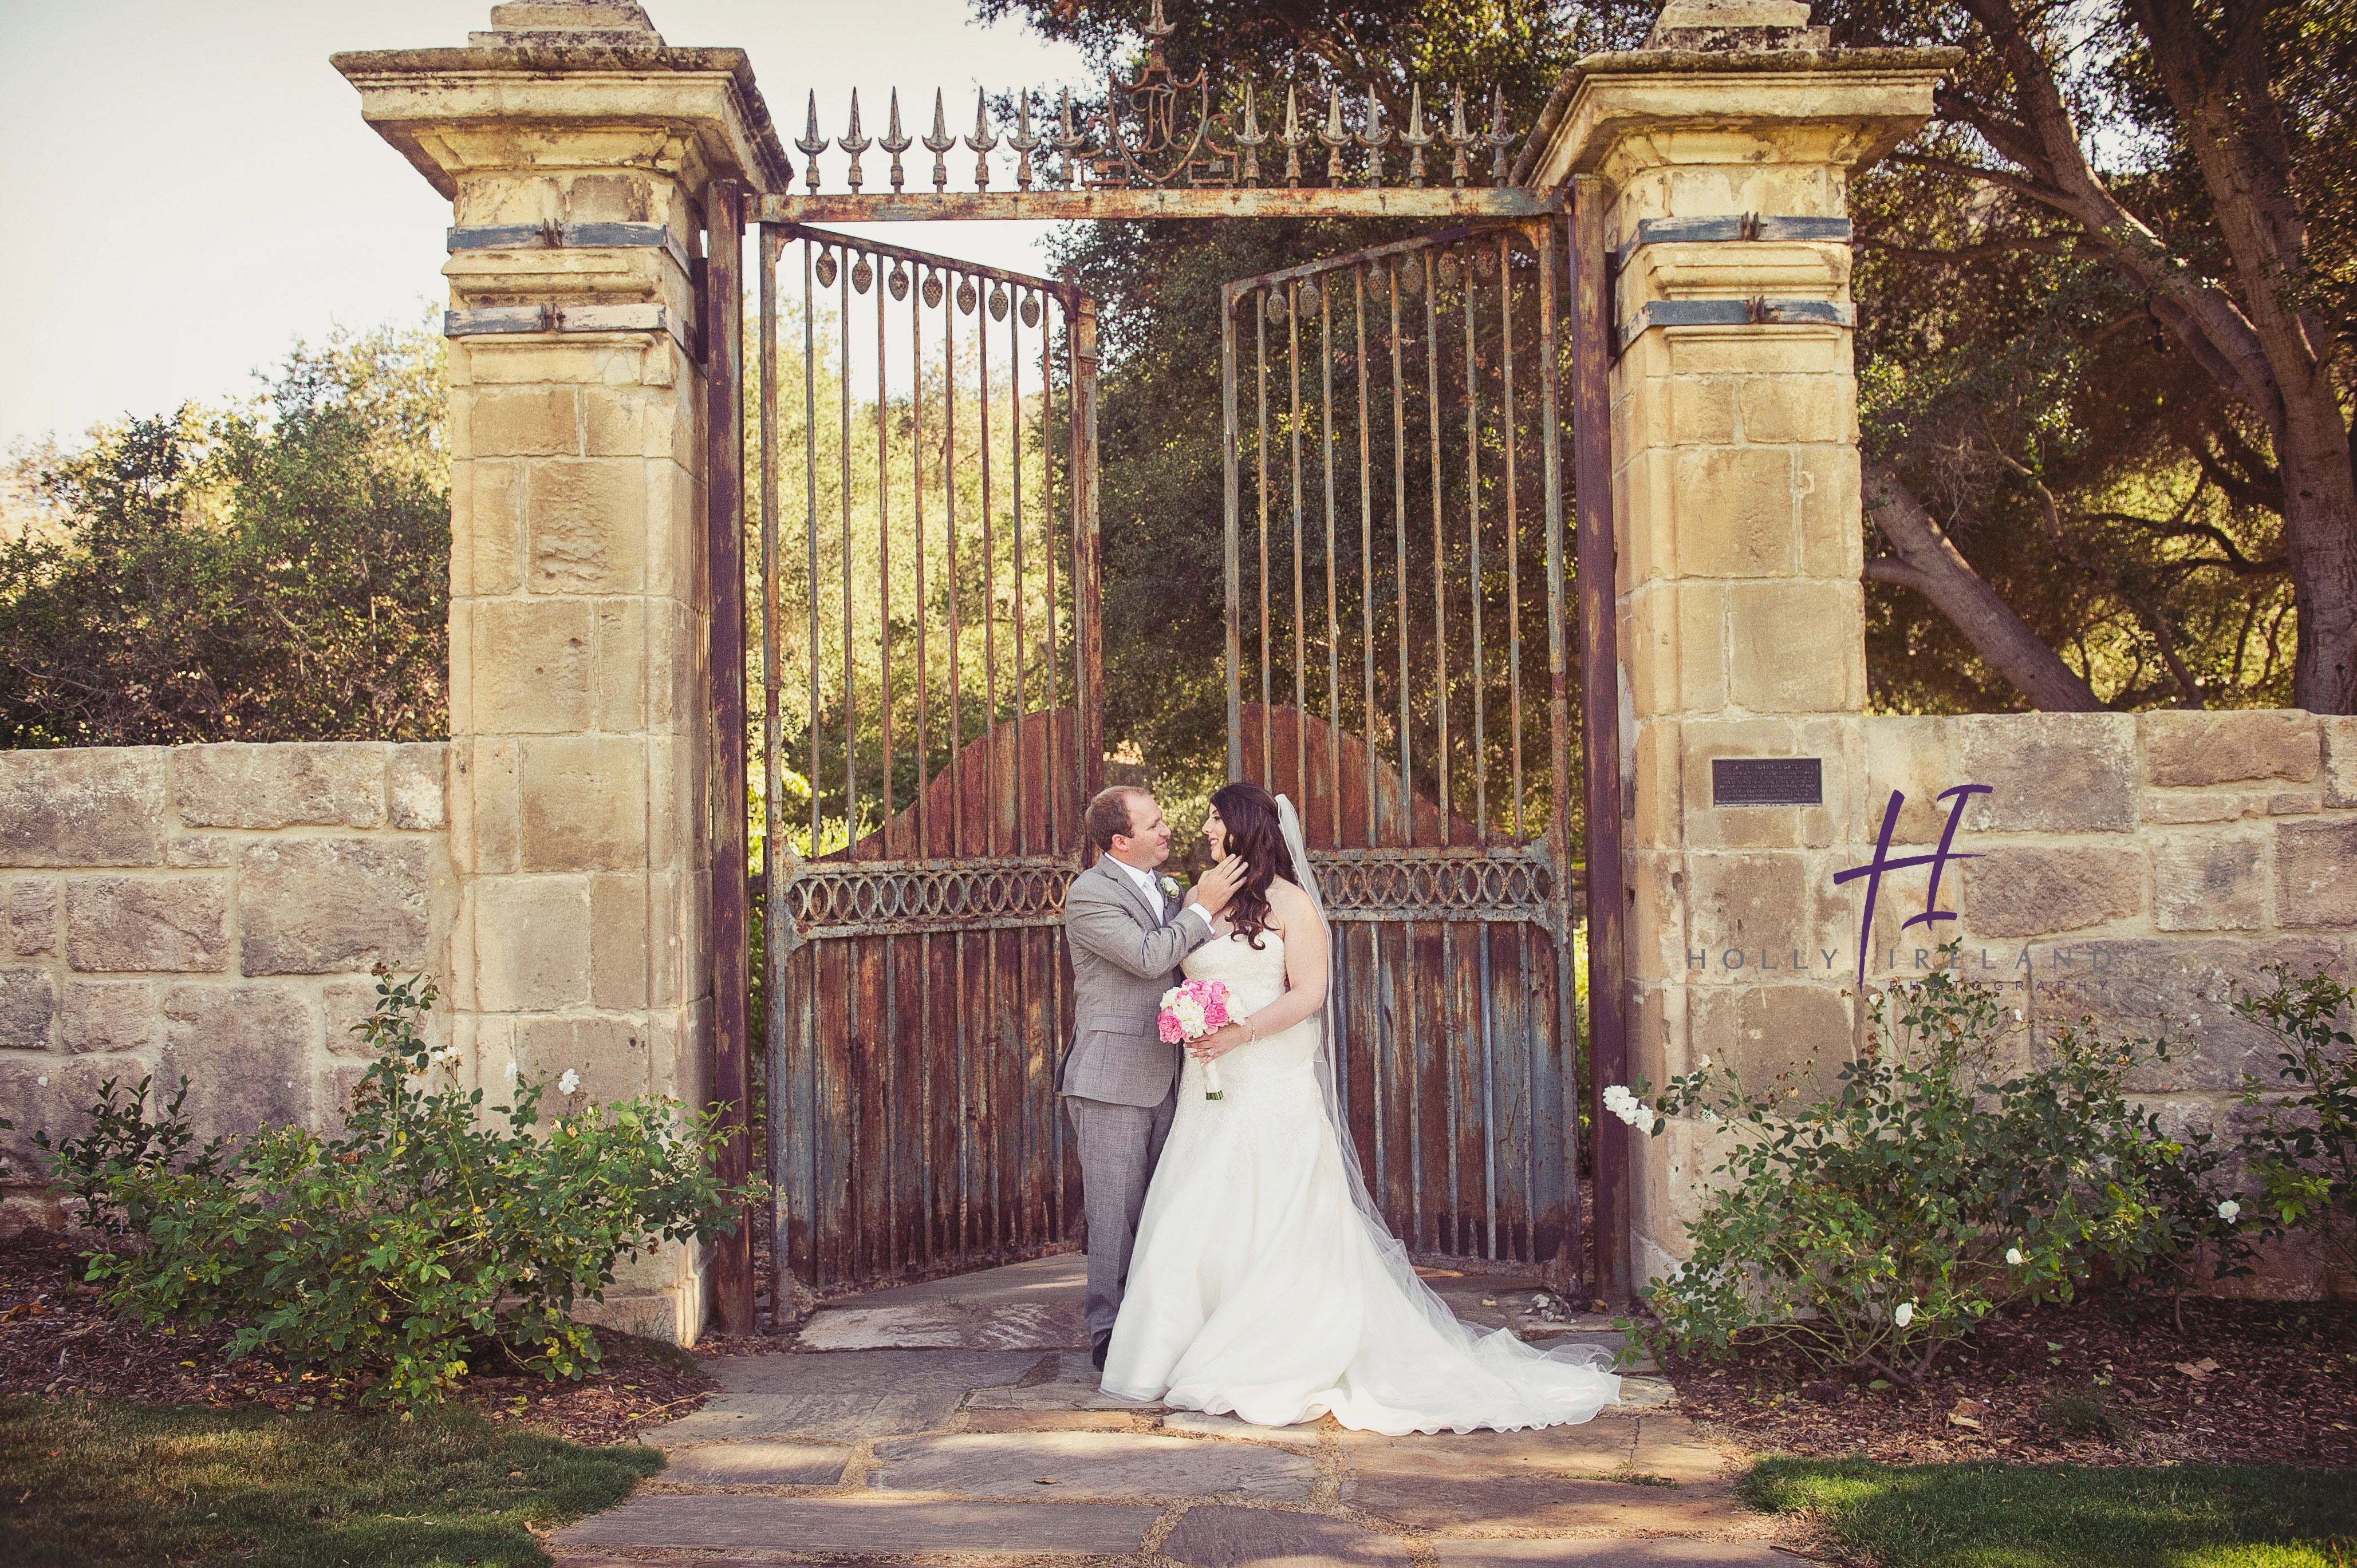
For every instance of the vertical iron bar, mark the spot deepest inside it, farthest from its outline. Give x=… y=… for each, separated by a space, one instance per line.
x=1439 y=559
x=1507 y=426
x=1489 y=1100
x=1366 y=570
x=1084 y=500
x=1333 y=614
x=850 y=658
x=956 y=661
x=723 y=327
x=1300 y=609
x=1047 y=539
x=1474 y=585
x=809 y=475
x=989 y=604
x=924 y=616
x=1231 y=557
x=1015 y=520
x=884 y=576
x=1260 y=463
x=1399 y=545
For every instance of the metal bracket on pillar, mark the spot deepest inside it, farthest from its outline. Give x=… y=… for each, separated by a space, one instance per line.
x=1752 y=312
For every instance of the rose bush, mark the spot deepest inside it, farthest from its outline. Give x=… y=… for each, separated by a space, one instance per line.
x=428 y=1237
x=1876 y=1225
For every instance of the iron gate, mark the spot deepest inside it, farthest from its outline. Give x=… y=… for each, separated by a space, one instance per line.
x=1439 y=839
x=931 y=686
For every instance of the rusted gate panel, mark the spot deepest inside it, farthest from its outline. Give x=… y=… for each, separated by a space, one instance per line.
x=930 y=673
x=1395 y=566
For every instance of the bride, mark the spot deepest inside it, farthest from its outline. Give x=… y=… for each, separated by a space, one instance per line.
x=1264 y=1282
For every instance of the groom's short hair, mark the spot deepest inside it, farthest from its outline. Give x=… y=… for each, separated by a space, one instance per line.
x=1109 y=815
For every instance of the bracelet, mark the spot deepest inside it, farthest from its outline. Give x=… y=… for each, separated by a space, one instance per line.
x=1251 y=1031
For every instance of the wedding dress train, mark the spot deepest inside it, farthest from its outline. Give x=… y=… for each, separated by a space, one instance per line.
x=1260 y=1288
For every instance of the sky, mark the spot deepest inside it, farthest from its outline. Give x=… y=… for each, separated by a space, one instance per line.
x=193 y=188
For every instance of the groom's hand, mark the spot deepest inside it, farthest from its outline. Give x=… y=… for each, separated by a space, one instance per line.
x=1219 y=883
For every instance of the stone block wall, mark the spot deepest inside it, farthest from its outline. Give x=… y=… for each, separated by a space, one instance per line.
x=2136 y=868
x=211 y=912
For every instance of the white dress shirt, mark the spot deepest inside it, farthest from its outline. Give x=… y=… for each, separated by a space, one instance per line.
x=1150 y=883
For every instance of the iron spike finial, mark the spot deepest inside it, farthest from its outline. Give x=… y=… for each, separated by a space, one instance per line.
x=939 y=143
x=1071 y=142
x=812 y=144
x=1501 y=135
x=1024 y=142
x=983 y=140
x=1415 y=137
x=1376 y=138
x=1336 y=135
x=895 y=140
x=1294 y=138
x=855 y=144
x=1158 y=29
x=1251 y=138
x=1457 y=137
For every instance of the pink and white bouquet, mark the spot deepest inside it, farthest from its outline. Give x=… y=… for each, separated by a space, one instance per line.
x=1191 y=1010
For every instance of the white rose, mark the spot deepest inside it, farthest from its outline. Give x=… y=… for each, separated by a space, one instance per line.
x=1905 y=1315
x=2228 y=1211
x=1704 y=1063
x=1170 y=887
x=570 y=1083
x=2013 y=1256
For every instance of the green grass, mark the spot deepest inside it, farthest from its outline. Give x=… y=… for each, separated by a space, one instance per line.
x=2062 y=1516
x=98 y=1482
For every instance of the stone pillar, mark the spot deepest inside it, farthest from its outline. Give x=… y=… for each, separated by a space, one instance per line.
x=575 y=149
x=1723 y=149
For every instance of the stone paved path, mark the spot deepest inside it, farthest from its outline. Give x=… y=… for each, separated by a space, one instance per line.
x=960 y=1423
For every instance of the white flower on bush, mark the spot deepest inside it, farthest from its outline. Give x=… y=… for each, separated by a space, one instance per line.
x=2228 y=1211
x=1905 y=1315
x=511 y=1072
x=1702 y=1064
x=1623 y=1104
x=570 y=1083
x=2013 y=1256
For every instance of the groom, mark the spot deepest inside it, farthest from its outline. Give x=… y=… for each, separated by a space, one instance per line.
x=1119 y=1080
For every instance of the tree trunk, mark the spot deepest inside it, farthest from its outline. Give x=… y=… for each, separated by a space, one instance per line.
x=1929 y=564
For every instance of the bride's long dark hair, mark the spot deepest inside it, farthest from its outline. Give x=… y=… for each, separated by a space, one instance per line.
x=1250 y=815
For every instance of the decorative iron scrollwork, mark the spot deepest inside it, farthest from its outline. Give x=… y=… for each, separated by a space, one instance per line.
x=913 y=898
x=1504 y=882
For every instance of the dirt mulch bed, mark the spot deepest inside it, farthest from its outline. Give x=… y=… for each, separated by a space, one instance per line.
x=57 y=1339
x=2250 y=1382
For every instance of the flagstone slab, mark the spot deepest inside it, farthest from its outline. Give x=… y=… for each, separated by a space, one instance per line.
x=841 y=1396
x=927 y=1326
x=756 y=1465
x=1595 y=1554
x=1671 y=1445
x=1594 y=1448
x=1456 y=1502
x=897 y=1526
x=1647 y=1393
x=1089 y=1465
x=1217 y=1536
x=1074 y=1383
x=1195 y=1423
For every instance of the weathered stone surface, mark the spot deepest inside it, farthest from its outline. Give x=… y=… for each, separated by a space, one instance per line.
x=1670 y=1446
x=2225 y=748
x=28 y=1007
x=414 y=786
x=326 y=905
x=2315 y=874
x=47 y=1092
x=109 y=1015
x=1598 y=1447
x=247 y=1051
x=584 y=804
x=843 y=1396
x=532 y=942
x=29 y=907
x=97 y=805
x=1038 y=1326
x=758 y=1464
x=2049 y=772
x=2209 y=882
x=1800 y=1033
x=609 y=1054
x=1091 y=1464
x=586 y=525
x=1426 y=1501
x=2180 y=987
x=1662 y=1552
x=1217 y=1536
x=202 y=851
x=1196 y=1423
x=896 y=1526
x=168 y=924
x=2339 y=760
x=2028 y=891
x=235 y=785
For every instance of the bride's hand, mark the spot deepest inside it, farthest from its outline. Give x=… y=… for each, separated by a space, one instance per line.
x=1219 y=1042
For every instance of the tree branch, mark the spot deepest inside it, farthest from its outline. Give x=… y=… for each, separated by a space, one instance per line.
x=1931 y=566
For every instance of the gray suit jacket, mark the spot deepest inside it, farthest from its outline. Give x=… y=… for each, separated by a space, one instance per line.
x=1124 y=958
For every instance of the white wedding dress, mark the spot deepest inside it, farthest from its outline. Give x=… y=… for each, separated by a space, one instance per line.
x=1260 y=1286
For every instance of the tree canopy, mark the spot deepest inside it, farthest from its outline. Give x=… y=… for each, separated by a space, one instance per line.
x=275 y=570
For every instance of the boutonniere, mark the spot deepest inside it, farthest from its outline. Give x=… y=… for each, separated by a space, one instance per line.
x=1170 y=887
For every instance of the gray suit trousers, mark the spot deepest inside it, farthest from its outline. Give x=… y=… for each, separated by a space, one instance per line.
x=1118 y=1145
